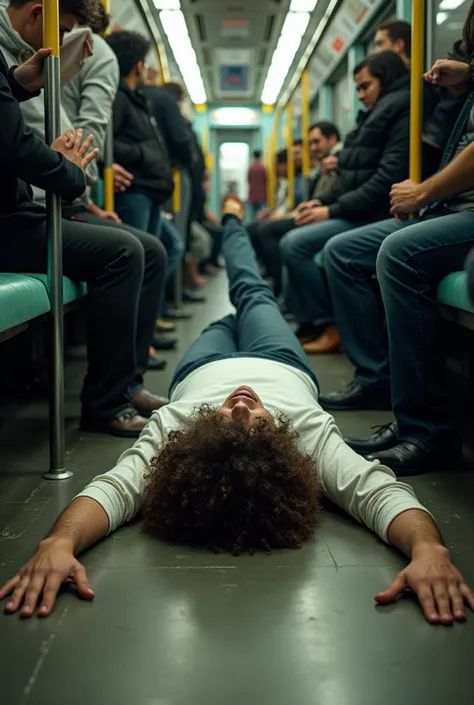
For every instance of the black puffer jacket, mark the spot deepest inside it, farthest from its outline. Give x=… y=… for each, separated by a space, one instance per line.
x=374 y=157
x=139 y=146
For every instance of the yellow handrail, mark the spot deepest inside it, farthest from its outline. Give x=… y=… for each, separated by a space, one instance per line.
x=51 y=26
x=177 y=192
x=305 y=122
x=109 y=194
x=416 y=107
x=273 y=152
x=291 y=162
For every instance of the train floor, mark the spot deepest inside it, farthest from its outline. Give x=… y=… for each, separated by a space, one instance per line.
x=174 y=626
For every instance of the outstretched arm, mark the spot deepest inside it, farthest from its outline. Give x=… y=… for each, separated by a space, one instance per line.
x=371 y=493
x=107 y=502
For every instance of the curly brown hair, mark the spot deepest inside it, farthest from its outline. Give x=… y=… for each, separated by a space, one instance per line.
x=222 y=485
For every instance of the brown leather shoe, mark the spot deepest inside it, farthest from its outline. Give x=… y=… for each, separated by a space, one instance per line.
x=232 y=205
x=146 y=403
x=328 y=342
x=165 y=326
x=127 y=424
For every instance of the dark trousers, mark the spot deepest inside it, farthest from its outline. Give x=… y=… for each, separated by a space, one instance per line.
x=125 y=276
x=409 y=260
x=257 y=329
x=265 y=237
x=470 y=276
x=216 y=233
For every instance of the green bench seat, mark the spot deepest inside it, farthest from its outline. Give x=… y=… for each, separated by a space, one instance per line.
x=24 y=297
x=452 y=290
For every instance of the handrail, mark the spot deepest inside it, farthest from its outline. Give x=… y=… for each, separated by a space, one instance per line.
x=57 y=447
x=290 y=158
x=416 y=89
x=109 y=195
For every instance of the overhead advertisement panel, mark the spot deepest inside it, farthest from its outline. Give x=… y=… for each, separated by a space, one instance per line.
x=352 y=17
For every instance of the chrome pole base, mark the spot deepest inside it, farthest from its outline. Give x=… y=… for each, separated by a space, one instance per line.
x=59 y=475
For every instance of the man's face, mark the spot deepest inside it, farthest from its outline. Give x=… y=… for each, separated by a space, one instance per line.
x=319 y=145
x=32 y=29
x=384 y=43
x=245 y=406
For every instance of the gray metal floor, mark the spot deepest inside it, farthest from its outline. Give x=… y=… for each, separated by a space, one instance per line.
x=173 y=626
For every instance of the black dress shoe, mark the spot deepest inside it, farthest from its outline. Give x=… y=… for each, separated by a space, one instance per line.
x=357 y=397
x=155 y=364
x=383 y=438
x=409 y=459
x=161 y=341
x=193 y=297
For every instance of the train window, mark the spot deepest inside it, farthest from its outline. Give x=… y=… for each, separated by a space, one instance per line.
x=234 y=159
x=450 y=17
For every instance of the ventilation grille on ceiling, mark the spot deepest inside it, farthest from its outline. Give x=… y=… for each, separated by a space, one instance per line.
x=269 y=25
x=201 y=27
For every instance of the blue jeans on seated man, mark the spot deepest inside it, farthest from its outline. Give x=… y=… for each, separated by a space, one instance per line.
x=139 y=210
x=409 y=259
x=309 y=298
x=257 y=329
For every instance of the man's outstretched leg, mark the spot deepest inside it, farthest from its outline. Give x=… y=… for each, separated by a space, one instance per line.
x=261 y=329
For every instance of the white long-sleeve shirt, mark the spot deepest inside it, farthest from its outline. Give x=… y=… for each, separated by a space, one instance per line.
x=368 y=491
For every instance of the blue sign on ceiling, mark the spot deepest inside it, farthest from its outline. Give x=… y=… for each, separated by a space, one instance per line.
x=234 y=79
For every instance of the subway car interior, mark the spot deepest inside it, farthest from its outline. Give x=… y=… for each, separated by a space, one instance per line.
x=258 y=219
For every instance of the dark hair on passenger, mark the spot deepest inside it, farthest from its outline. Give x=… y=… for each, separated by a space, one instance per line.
x=85 y=11
x=398 y=30
x=101 y=22
x=130 y=48
x=328 y=129
x=227 y=487
x=175 y=89
x=257 y=154
x=298 y=142
x=384 y=65
x=282 y=157
x=468 y=33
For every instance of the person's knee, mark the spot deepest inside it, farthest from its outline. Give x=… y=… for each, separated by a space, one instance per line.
x=334 y=251
x=389 y=255
x=128 y=251
x=288 y=246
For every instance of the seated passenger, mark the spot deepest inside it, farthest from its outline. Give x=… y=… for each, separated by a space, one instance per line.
x=124 y=280
x=242 y=468
x=375 y=155
x=324 y=143
x=410 y=258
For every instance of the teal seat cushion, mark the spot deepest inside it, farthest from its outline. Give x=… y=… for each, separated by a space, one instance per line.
x=21 y=299
x=318 y=259
x=452 y=291
x=71 y=290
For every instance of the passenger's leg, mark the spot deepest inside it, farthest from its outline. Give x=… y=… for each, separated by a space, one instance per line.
x=311 y=301
x=111 y=261
x=152 y=292
x=135 y=209
x=410 y=266
x=174 y=245
x=349 y=261
x=270 y=235
x=261 y=329
x=470 y=276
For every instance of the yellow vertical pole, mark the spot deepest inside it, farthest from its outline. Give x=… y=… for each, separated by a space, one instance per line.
x=306 y=166
x=291 y=162
x=416 y=106
x=177 y=192
x=109 y=195
x=273 y=153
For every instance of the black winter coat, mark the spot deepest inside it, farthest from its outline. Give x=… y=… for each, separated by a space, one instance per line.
x=139 y=146
x=375 y=156
x=26 y=159
x=171 y=123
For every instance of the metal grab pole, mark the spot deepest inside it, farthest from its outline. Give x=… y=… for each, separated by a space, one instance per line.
x=416 y=105
x=306 y=166
x=178 y=272
x=291 y=161
x=57 y=470
x=109 y=195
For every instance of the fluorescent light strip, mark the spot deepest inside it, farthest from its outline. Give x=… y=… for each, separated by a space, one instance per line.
x=303 y=5
x=175 y=28
x=294 y=27
x=451 y=4
x=167 y=4
x=441 y=17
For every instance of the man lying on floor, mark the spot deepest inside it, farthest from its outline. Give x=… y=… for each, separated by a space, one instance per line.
x=238 y=473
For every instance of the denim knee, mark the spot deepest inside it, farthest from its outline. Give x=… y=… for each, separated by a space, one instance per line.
x=288 y=246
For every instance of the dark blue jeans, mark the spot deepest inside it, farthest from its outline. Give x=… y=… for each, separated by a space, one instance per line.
x=139 y=210
x=174 y=245
x=257 y=329
x=409 y=260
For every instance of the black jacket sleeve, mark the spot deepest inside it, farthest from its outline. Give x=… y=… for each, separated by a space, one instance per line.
x=130 y=156
x=179 y=147
x=30 y=159
x=393 y=167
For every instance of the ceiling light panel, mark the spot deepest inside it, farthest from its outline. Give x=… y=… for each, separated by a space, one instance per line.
x=174 y=26
x=289 y=42
x=303 y=5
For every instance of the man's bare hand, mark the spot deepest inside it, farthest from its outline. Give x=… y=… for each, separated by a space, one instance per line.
x=406 y=197
x=313 y=215
x=70 y=144
x=440 y=587
x=453 y=75
x=122 y=178
x=52 y=565
x=329 y=165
